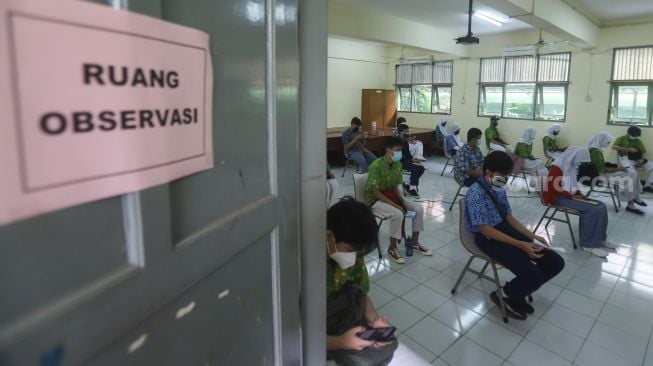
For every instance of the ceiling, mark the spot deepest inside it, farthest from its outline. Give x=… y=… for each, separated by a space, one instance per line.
x=452 y=14
x=447 y=14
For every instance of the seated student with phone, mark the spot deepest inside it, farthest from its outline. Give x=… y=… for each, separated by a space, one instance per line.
x=506 y=240
x=356 y=333
x=562 y=190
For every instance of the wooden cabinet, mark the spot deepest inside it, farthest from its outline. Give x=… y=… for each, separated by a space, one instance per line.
x=378 y=105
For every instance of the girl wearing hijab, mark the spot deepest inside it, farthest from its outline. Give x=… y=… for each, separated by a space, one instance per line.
x=441 y=132
x=524 y=149
x=453 y=138
x=562 y=190
x=626 y=180
x=551 y=148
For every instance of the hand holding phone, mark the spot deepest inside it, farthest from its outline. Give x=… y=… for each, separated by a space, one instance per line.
x=378 y=334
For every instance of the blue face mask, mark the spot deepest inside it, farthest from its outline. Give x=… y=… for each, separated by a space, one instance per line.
x=633 y=138
x=396 y=156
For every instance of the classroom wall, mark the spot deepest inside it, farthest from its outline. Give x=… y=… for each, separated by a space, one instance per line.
x=590 y=70
x=352 y=67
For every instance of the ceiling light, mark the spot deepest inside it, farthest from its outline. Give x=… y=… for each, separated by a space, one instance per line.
x=487 y=18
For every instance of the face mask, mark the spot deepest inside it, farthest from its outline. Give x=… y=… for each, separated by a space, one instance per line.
x=499 y=183
x=356 y=129
x=632 y=138
x=494 y=124
x=396 y=155
x=344 y=259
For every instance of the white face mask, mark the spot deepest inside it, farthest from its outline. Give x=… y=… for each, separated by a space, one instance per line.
x=344 y=259
x=498 y=183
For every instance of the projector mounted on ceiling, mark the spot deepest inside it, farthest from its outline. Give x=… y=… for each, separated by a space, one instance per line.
x=469 y=38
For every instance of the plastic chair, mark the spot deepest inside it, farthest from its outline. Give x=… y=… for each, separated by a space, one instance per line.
x=468 y=241
x=448 y=155
x=556 y=209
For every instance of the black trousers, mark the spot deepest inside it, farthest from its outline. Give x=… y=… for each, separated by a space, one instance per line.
x=415 y=170
x=530 y=274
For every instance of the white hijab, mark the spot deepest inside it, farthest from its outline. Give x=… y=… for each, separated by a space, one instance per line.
x=452 y=127
x=443 y=128
x=528 y=136
x=568 y=162
x=553 y=128
x=601 y=140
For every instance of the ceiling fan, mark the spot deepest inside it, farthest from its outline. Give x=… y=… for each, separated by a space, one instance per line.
x=468 y=39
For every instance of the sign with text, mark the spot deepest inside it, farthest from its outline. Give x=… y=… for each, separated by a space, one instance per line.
x=95 y=103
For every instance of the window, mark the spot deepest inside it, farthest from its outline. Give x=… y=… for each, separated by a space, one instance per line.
x=424 y=88
x=525 y=87
x=631 y=87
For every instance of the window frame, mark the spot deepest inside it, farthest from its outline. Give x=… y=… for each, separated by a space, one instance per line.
x=432 y=85
x=538 y=85
x=615 y=84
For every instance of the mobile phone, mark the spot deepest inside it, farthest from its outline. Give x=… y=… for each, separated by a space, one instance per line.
x=378 y=334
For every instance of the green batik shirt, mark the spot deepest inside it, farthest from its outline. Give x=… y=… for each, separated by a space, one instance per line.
x=524 y=150
x=338 y=277
x=599 y=162
x=382 y=176
x=491 y=133
x=549 y=144
x=627 y=143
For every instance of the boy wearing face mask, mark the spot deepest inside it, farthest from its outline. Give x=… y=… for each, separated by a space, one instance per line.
x=352 y=232
x=504 y=239
x=353 y=139
x=382 y=195
x=409 y=162
x=631 y=152
x=492 y=139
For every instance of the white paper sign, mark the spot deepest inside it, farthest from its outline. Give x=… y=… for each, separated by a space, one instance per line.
x=95 y=103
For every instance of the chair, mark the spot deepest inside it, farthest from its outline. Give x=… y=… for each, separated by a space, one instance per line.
x=460 y=187
x=518 y=170
x=448 y=155
x=556 y=209
x=349 y=163
x=549 y=158
x=605 y=190
x=468 y=241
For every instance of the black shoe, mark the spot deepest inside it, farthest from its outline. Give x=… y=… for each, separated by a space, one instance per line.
x=511 y=310
x=406 y=187
x=648 y=189
x=641 y=203
x=524 y=307
x=413 y=193
x=636 y=211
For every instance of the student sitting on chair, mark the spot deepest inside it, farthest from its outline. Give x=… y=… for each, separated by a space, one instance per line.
x=351 y=233
x=524 y=150
x=409 y=162
x=469 y=160
x=382 y=195
x=454 y=143
x=629 y=186
x=354 y=140
x=550 y=144
x=492 y=140
x=631 y=152
x=504 y=239
x=441 y=131
x=562 y=190
x=415 y=146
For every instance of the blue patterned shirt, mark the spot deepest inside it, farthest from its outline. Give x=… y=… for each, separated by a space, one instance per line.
x=467 y=158
x=479 y=207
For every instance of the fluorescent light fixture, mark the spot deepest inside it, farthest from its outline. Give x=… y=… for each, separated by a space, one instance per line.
x=487 y=18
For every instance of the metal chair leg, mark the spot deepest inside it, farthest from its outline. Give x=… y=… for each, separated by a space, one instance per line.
x=462 y=274
x=454 y=198
x=614 y=201
x=499 y=295
x=571 y=231
x=541 y=219
x=487 y=263
x=550 y=218
x=528 y=189
x=445 y=166
x=344 y=170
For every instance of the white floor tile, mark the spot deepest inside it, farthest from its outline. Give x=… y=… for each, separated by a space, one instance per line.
x=401 y=314
x=556 y=340
x=436 y=262
x=467 y=353
x=443 y=284
x=417 y=348
x=494 y=337
x=380 y=296
x=474 y=299
x=397 y=283
x=424 y=299
x=456 y=316
x=580 y=303
x=569 y=320
x=631 y=323
x=594 y=355
x=530 y=354
x=433 y=335
x=587 y=288
x=618 y=342
x=418 y=271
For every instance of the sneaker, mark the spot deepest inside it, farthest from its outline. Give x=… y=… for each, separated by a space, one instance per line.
x=524 y=307
x=597 y=252
x=641 y=203
x=634 y=210
x=413 y=193
x=609 y=244
x=395 y=256
x=422 y=250
x=511 y=312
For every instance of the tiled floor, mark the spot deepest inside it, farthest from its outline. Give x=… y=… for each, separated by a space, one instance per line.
x=596 y=312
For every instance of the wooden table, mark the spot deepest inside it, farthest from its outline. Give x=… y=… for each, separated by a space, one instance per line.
x=375 y=142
